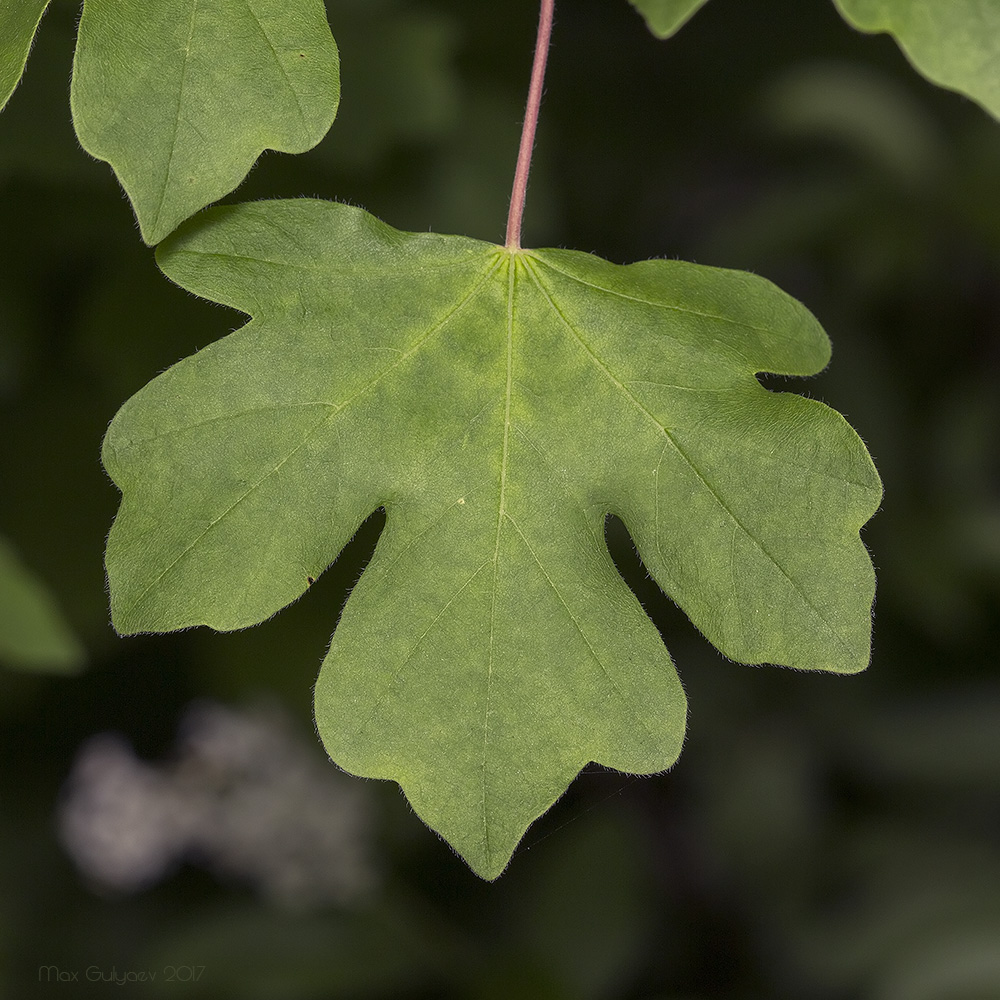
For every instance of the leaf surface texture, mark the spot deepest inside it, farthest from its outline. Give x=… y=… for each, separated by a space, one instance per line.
x=182 y=96
x=499 y=406
x=19 y=20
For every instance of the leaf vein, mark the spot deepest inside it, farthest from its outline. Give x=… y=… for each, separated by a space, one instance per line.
x=670 y=306
x=250 y=489
x=341 y=409
x=224 y=417
x=324 y=269
x=397 y=672
x=280 y=65
x=177 y=117
x=689 y=462
x=576 y=624
x=501 y=509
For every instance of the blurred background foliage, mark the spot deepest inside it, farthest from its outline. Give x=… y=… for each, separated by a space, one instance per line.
x=821 y=837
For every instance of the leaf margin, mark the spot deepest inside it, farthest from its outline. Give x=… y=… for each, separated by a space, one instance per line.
x=938 y=61
x=16 y=43
x=665 y=18
x=490 y=864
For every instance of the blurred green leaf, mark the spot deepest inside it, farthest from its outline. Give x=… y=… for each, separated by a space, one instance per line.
x=665 y=17
x=19 y=20
x=957 y=961
x=916 y=915
x=181 y=98
x=954 y=43
x=863 y=110
x=33 y=633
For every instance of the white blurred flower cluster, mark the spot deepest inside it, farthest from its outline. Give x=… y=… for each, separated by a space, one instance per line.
x=242 y=795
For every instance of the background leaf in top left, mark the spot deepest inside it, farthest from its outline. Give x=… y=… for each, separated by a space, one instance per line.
x=18 y=22
x=181 y=97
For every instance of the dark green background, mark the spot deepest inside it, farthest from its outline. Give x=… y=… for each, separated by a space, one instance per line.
x=820 y=837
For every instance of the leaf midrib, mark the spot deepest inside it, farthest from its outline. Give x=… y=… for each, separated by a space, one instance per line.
x=512 y=264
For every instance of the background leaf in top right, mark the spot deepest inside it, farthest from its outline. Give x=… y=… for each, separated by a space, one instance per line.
x=954 y=44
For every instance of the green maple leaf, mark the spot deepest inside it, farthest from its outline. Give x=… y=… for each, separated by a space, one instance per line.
x=182 y=97
x=33 y=633
x=666 y=17
x=19 y=21
x=955 y=44
x=498 y=405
